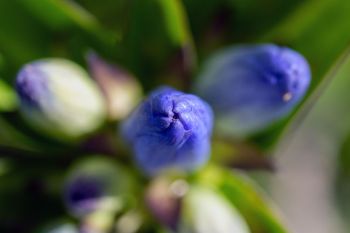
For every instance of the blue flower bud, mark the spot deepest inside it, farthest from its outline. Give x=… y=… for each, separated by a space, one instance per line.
x=250 y=87
x=170 y=129
x=58 y=98
x=95 y=184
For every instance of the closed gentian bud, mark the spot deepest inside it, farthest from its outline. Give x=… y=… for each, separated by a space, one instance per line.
x=170 y=129
x=250 y=87
x=58 y=98
x=204 y=211
x=95 y=184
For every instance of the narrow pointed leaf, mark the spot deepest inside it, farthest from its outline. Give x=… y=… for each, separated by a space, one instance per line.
x=162 y=25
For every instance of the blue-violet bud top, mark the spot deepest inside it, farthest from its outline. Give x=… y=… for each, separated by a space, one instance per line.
x=250 y=87
x=95 y=183
x=170 y=129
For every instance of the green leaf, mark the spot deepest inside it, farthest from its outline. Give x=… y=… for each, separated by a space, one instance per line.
x=111 y=14
x=157 y=32
x=10 y=136
x=18 y=204
x=8 y=100
x=335 y=109
x=245 y=196
x=317 y=29
x=342 y=184
x=22 y=38
x=223 y=22
x=60 y=15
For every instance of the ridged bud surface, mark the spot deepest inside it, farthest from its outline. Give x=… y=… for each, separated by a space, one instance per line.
x=170 y=129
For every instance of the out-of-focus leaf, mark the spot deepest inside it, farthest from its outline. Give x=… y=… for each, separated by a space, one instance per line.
x=157 y=32
x=5 y=166
x=222 y=22
x=21 y=189
x=8 y=100
x=318 y=30
x=242 y=155
x=64 y=14
x=342 y=184
x=58 y=14
x=10 y=136
x=335 y=109
x=331 y=117
x=21 y=37
x=112 y=13
x=246 y=197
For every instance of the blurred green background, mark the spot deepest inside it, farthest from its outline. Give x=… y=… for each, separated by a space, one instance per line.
x=166 y=42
